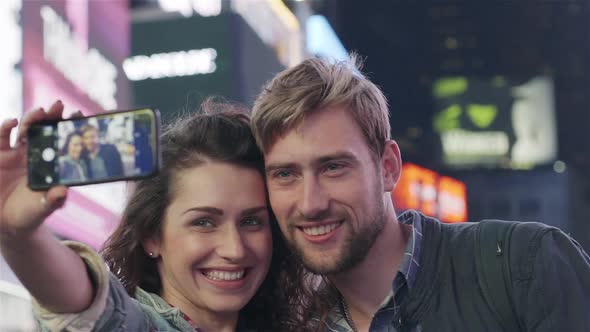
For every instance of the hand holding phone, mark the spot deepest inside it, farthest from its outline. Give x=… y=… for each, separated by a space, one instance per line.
x=107 y=147
x=22 y=210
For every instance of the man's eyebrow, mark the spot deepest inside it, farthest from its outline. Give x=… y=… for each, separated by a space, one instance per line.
x=344 y=155
x=272 y=167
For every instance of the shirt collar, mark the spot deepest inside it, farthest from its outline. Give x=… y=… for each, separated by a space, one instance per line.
x=93 y=155
x=411 y=262
x=406 y=274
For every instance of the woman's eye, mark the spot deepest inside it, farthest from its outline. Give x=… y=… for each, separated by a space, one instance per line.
x=203 y=223
x=251 y=222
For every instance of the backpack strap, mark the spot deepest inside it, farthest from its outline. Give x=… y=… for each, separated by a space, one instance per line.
x=492 y=262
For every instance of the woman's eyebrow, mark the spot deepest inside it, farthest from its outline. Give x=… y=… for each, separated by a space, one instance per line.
x=253 y=210
x=219 y=212
x=207 y=209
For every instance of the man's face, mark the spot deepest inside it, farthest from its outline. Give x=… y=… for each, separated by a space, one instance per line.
x=326 y=191
x=90 y=139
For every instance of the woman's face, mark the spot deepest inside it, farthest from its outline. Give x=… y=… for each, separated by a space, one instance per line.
x=75 y=147
x=216 y=245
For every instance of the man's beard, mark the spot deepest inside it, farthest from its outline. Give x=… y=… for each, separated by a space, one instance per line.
x=355 y=248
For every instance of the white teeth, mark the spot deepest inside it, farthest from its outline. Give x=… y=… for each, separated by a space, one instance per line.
x=224 y=275
x=319 y=230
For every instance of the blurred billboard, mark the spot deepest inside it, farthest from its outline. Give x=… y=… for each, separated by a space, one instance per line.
x=495 y=122
x=73 y=51
x=429 y=192
x=11 y=84
x=196 y=57
x=321 y=39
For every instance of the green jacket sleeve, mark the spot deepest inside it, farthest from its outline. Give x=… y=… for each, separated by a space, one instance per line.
x=112 y=309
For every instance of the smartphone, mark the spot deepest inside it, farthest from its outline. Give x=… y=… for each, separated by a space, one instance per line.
x=114 y=146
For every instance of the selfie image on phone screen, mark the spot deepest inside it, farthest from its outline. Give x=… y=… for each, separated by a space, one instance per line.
x=103 y=148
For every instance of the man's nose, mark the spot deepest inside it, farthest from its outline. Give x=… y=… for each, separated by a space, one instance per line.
x=314 y=201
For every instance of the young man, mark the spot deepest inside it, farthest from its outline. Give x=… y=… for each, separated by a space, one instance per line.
x=103 y=160
x=331 y=166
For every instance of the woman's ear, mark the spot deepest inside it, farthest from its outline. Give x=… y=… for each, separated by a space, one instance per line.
x=391 y=163
x=151 y=247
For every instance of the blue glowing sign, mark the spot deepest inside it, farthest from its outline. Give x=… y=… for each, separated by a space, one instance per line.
x=322 y=40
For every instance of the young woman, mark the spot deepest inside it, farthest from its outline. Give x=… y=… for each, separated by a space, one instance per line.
x=71 y=166
x=193 y=252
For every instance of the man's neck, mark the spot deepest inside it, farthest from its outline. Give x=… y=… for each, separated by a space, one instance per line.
x=365 y=286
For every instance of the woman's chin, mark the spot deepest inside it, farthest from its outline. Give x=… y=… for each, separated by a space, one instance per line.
x=227 y=295
x=227 y=304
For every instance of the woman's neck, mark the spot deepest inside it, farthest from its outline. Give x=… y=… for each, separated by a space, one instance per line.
x=204 y=319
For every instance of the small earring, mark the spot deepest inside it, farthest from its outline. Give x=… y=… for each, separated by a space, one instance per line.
x=151 y=254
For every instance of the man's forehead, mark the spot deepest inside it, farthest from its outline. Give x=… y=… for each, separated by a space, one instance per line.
x=90 y=131
x=295 y=148
x=328 y=131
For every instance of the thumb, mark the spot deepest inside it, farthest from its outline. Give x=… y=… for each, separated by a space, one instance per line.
x=53 y=199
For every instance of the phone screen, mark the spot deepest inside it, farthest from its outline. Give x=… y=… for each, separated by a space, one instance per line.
x=103 y=148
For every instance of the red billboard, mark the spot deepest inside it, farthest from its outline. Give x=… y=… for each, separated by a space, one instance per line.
x=427 y=191
x=73 y=51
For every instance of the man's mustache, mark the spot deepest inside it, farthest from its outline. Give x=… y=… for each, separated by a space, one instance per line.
x=321 y=216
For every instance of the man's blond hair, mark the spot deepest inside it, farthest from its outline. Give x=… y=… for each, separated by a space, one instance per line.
x=314 y=85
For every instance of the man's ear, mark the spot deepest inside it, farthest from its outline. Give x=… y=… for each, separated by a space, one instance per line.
x=151 y=246
x=391 y=163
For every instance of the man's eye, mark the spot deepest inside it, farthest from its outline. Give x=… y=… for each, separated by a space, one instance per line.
x=333 y=167
x=282 y=174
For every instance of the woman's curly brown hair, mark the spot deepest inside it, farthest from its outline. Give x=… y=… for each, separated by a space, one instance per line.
x=219 y=132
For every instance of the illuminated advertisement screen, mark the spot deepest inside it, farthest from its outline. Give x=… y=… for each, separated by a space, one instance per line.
x=10 y=59
x=427 y=191
x=495 y=122
x=73 y=51
x=321 y=39
x=177 y=71
x=194 y=58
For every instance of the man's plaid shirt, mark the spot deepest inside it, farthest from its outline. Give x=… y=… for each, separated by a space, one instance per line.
x=387 y=318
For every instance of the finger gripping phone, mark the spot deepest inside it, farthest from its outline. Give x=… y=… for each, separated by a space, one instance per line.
x=114 y=146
